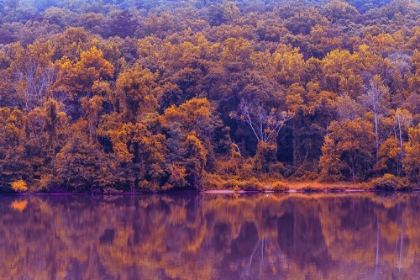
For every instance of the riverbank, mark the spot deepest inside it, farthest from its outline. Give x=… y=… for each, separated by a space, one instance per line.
x=387 y=182
x=235 y=185
x=299 y=187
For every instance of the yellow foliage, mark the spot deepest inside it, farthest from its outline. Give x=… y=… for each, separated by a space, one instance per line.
x=279 y=186
x=19 y=186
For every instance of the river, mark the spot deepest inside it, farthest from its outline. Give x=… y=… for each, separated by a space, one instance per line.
x=208 y=236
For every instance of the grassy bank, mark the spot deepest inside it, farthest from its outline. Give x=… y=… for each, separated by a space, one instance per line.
x=385 y=183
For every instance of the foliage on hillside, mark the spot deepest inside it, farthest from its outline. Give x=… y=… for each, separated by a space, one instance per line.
x=154 y=95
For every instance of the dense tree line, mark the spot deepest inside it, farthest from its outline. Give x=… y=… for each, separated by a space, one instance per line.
x=151 y=96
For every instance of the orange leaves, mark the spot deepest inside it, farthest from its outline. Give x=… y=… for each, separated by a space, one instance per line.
x=137 y=93
x=13 y=159
x=347 y=149
x=80 y=164
x=324 y=39
x=136 y=103
x=177 y=175
x=193 y=115
x=33 y=73
x=411 y=162
x=93 y=61
x=189 y=128
x=341 y=70
x=337 y=9
x=294 y=97
x=289 y=65
x=195 y=147
x=195 y=157
x=13 y=125
x=388 y=155
x=122 y=137
x=79 y=77
x=19 y=186
x=236 y=54
x=71 y=43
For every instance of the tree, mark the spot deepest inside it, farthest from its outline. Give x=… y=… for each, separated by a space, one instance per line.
x=289 y=65
x=236 y=54
x=341 y=73
x=402 y=121
x=193 y=115
x=78 y=78
x=195 y=160
x=137 y=94
x=189 y=129
x=376 y=100
x=264 y=123
x=81 y=165
x=14 y=165
x=389 y=160
x=411 y=162
x=123 y=25
x=83 y=78
x=33 y=73
x=347 y=151
x=339 y=10
x=19 y=186
x=222 y=13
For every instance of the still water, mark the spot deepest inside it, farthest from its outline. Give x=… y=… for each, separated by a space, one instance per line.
x=341 y=236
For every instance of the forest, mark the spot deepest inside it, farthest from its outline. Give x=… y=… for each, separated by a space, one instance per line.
x=128 y=95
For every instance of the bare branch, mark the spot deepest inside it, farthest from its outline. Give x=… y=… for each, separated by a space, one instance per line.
x=265 y=124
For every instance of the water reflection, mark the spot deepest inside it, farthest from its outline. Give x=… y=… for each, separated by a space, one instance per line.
x=358 y=236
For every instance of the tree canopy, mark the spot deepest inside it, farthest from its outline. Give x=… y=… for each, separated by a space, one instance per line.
x=156 y=95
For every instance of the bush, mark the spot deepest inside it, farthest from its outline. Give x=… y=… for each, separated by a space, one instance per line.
x=388 y=182
x=249 y=185
x=252 y=185
x=279 y=187
x=45 y=184
x=247 y=171
x=19 y=186
x=311 y=189
x=232 y=184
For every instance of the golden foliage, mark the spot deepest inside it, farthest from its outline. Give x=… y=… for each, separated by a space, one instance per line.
x=157 y=100
x=19 y=186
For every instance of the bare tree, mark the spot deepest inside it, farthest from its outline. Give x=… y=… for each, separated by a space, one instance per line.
x=265 y=124
x=401 y=62
x=402 y=119
x=375 y=100
x=33 y=83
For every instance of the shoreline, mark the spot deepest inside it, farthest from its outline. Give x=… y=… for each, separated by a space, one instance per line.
x=240 y=187
x=218 y=192
x=304 y=191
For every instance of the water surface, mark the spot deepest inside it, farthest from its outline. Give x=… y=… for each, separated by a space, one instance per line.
x=357 y=236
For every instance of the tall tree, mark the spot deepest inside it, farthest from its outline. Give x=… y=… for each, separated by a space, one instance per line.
x=376 y=100
x=348 y=150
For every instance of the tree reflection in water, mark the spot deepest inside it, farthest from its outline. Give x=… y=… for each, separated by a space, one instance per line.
x=357 y=236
